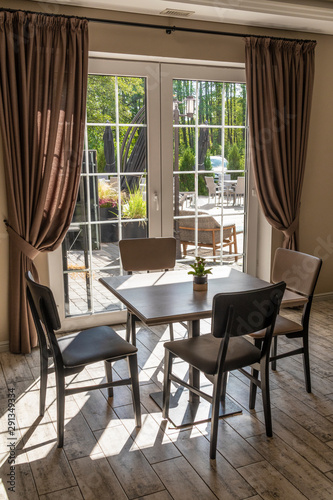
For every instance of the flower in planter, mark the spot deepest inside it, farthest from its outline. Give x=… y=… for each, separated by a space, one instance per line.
x=107 y=195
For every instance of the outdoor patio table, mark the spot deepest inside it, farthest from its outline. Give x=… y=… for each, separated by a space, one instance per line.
x=167 y=297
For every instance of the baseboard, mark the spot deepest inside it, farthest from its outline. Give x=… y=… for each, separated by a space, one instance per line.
x=323 y=296
x=4 y=346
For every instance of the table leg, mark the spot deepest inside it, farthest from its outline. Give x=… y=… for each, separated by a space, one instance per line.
x=193 y=328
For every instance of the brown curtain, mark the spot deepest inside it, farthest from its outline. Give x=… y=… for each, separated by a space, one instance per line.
x=43 y=83
x=279 y=79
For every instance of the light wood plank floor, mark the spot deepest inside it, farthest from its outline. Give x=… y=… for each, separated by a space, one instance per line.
x=104 y=457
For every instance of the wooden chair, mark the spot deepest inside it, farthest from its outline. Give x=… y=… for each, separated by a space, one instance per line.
x=209 y=233
x=225 y=349
x=300 y=272
x=146 y=254
x=73 y=352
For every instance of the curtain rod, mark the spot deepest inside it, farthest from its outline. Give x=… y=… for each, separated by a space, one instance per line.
x=167 y=29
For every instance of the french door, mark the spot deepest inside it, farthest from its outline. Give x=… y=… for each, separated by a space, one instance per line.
x=204 y=110
x=145 y=159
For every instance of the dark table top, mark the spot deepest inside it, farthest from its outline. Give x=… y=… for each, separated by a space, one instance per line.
x=166 y=297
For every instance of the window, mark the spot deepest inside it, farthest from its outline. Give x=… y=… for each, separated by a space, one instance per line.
x=209 y=129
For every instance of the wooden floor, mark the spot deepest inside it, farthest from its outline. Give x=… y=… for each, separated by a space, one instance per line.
x=104 y=457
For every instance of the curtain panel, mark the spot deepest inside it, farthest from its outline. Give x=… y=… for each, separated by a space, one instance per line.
x=279 y=79
x=43 y=85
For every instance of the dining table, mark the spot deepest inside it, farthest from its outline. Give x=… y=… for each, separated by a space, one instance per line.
x=164 y=297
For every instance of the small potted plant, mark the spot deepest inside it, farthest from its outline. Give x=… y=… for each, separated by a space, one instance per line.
x=200 y=272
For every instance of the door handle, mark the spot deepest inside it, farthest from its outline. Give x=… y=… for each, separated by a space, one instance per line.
x=156 y=201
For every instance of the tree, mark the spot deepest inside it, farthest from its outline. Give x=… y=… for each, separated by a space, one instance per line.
x=186 y=181
x=234 y=161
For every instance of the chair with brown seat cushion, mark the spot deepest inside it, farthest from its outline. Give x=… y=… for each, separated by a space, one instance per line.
x=225 y=349
x=71 y=353
x=209 y=233
x=300 y=272
x=146 y=254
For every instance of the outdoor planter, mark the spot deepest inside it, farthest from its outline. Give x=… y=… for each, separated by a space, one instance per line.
x=109 y=232
x=134 y=230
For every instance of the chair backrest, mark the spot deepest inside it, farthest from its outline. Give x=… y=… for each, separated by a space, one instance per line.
x=240 y=185
x=300 y=271
x=241 y=313
x=227 y=177
x=44 y=311
x=210 y=185
x=148 y=254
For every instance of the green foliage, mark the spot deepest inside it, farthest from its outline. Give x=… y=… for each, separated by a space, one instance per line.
x=186 y=182
x=135 y=206
x=199 y=267
x=100 y=159
x=234 y=161
x=187 y=161
x=101 y=102
x=101 y=98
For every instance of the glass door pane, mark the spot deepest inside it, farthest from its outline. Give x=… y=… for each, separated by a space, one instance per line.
x=113 y=201
x=209 y=170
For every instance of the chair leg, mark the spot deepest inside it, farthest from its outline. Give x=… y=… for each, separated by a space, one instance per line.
x=306 y=363
x=215 y=415
x=274 y=352
x=171 y=332
x=60 y=408
x=133 y=369
x=225 y=378
x=167 y=382
x=235 y=242
x=264 y=376
x=43 y=380
x=253 y=389
x=108 y=374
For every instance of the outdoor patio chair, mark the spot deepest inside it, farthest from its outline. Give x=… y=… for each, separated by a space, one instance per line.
x=228 y=189
x=214 y=191
x=146 y=254
x=300 y=272
x=209 y=233
x=226 y=349
x=73 y=352
x=239 y=190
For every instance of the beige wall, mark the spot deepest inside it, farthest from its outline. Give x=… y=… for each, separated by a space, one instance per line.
x=317 y=199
